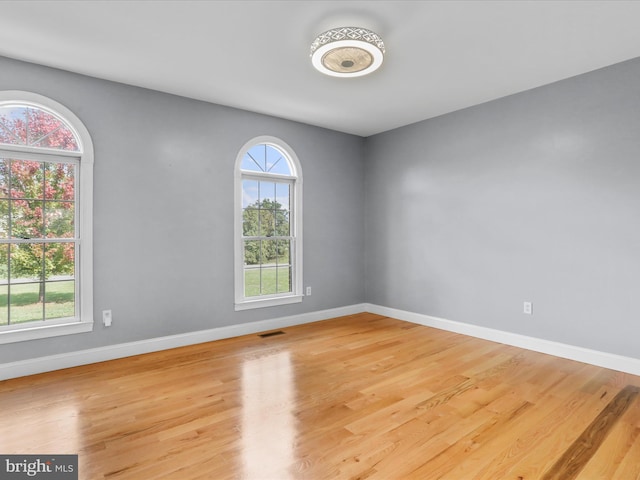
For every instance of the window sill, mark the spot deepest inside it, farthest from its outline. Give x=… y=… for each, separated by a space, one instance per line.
x=44 y=331
x=268 y=302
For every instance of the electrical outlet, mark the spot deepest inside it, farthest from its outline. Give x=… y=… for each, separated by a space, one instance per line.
x=528 y=308
x=308 y=292
x=106 y=318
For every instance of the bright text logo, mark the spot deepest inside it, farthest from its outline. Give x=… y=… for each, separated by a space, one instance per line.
x=45 y=467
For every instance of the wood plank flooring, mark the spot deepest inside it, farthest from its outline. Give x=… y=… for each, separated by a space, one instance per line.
x=355 y=397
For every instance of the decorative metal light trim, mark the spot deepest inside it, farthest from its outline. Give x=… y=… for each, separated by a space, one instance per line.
x=347 y=52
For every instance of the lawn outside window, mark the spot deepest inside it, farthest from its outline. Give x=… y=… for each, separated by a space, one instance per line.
x=268 y=228
x=46 y=162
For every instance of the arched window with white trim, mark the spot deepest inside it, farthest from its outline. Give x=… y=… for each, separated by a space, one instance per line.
x=46 y=175
x=268 y=224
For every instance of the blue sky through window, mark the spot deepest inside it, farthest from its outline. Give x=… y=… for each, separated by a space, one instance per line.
x=266 y=159
x=253 y=191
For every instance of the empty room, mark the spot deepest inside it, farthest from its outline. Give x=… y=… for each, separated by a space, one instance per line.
x=282 y=240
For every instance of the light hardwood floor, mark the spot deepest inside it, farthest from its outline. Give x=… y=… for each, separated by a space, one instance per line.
x=362 y=396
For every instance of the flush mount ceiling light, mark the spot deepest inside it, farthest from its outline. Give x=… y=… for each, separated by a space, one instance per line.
x=347 y=52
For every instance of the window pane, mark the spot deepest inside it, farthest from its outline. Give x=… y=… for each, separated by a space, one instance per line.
x=26 y=262
x=59 y=181
x=25 y=125
x=4 y=280
x=27 y=179
x=249 y=193
x=269 y=252
x=282 y=196
x=267 y=195
x=13 y=125
x=58 y=218
x=4 y=308
x=251 y=282
x=267 y=223
x=282 y=223
x=249 y=165
x=4 y=264
x=59 y=299
x=25 y=302
x=254 y=159
x=4 y=218
x=276 y=161
x=269 y=285
x=27 y=218
x=250 y=218
x=284 y=279
x=4 y=177
x=59 y=261
x=252 y=252
x=283 y=247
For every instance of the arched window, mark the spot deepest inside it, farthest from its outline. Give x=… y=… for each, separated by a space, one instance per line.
x=46 y=175
x=268 y=225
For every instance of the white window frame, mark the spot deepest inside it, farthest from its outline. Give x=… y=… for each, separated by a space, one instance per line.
x=83 y=322
x=295 y=222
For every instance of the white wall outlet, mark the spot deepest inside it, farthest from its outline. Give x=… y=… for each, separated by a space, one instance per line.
x=528 y=308
x=106 y=318
x=308 y=292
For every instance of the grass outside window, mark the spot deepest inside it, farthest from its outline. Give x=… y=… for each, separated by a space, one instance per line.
x=59 y=302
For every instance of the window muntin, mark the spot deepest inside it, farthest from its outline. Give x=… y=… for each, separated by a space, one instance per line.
x=45 y=233
x=268 y=233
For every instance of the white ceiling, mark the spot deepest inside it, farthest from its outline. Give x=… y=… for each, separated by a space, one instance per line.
x=254 y=55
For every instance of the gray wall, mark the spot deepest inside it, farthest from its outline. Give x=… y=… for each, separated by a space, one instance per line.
x=533 y=197
x=163 y=209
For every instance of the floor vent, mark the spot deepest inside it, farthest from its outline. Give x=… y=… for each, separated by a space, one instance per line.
x=271 y=334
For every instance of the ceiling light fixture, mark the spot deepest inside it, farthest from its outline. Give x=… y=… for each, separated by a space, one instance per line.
x=347 y=52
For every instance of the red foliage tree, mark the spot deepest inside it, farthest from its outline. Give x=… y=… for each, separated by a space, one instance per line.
x=36 y=198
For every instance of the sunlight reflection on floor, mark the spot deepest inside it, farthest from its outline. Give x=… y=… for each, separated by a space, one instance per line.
x=268 y=426
x=57 y=426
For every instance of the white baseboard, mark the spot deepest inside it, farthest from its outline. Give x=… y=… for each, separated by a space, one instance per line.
x=111 y=352
x=101 y=354
x=584 y=355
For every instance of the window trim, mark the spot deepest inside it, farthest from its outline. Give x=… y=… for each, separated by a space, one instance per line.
x=296 y=295
x=84 y=202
